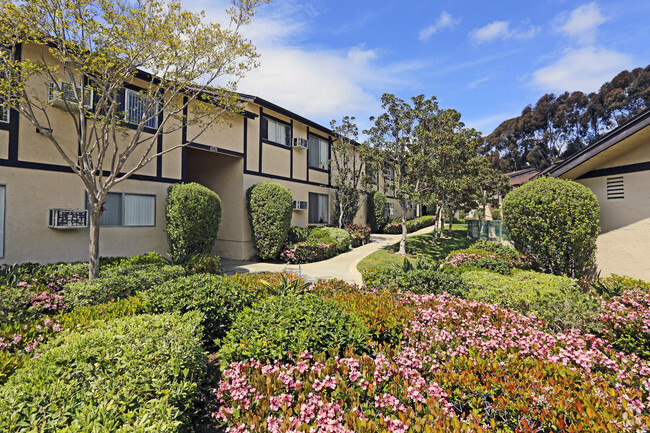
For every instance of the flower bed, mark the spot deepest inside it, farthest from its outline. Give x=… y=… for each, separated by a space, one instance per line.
x=462 y=363
x=360 y=234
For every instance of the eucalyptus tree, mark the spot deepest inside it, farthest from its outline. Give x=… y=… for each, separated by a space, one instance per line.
x=90 y=50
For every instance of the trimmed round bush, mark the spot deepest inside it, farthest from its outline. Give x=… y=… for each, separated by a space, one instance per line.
x=556 y=221
x=556 y=299
x=280 y=325
x=377 y=218
x=193 y=215
x=120 y=282
x=138 y=373
x=341 y=236
x=218 y=298
x=270 y=207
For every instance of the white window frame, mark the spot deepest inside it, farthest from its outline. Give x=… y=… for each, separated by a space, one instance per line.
x=389 y=172
x=123 y=209
x=323 y=153
x=57 y=92
x=5 y=112
x=145 y=101
x=279 y=131
x=390 y=209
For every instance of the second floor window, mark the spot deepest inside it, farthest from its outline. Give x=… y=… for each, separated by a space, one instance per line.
x=318 y=152
x=5 y=55
x=4 y=114
x=275 y=131
x=138 y=107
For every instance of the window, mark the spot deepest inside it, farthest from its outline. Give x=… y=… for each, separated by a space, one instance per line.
x=275 y=131
x=5 y=55
x=318 y=152
x=3 y=194
x=139 y=107
x=615 y=188
x=130 y=210
x=390 y=209
x=373 y=177
x=63 y=92
x=389 y=172
x=318 y=208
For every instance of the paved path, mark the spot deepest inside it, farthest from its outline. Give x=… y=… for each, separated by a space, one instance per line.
x=343 y=266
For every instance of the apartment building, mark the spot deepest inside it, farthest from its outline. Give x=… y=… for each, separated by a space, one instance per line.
x=42 y=200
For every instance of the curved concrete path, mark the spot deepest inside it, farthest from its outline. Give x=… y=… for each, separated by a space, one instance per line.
x=343 y=266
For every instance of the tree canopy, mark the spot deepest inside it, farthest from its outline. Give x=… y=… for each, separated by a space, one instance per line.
x=558 y=126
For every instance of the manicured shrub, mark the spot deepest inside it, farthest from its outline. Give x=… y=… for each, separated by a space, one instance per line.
x=219 y=299
x=193 y=215
x=309 y=251
x=270 y=207
x=120 y=282
x=333 y=286
x=419 y=281
x=486 y=255
x=341 y=237
x=377 y=217
x=412 y=225
x=150 y=258
x=359 y=234
x=280 y=325
x=84 y=318
x=138 y=373
x=496 y=214
x=496 y=247
x=625 y=322
x=556 y=221
x=558 y=300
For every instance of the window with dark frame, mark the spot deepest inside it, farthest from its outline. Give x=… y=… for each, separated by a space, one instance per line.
x=138 y=107
x=318 y=152
x=389 y=172
x=318 y=208
x=128 y=210
x=276 y=131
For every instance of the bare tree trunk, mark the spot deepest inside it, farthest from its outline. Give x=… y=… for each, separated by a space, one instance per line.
x=340 y=211
x=451 y=222
x=435 y=226
x=442 y=219
x=402 y=242
x=95 y=215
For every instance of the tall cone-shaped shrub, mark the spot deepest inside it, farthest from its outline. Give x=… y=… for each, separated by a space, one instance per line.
x=270 y=206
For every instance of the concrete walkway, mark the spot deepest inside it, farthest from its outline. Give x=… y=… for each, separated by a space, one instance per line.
x=343 y=266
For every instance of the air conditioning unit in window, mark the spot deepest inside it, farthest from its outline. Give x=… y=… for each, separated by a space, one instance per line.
x=299 y=205
x=63 y=96
x=68 y=218
x=301 y=143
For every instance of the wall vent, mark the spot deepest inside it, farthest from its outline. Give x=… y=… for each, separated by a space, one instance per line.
x=615 y=189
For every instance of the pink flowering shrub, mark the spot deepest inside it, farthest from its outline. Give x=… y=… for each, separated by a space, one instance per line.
x=18 y=342
x=499 y=262
x=308 y=251
x=462 y=365
x=360 y=234
x=626 y=322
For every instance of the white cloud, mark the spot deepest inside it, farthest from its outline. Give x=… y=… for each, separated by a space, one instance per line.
x=318 y=83
x=501 y=30
x=474 y=84
x=584 y=69
x=582 y=23
x=445 y=21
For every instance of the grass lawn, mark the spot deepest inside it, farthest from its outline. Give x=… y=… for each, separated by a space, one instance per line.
x=419 y=246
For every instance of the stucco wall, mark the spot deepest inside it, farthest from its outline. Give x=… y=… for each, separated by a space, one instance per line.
x=624 y=243
x=31 y=193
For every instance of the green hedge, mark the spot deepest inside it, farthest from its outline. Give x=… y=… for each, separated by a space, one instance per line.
x=118 y=282
x=377 y=218
x=342 y=237
x=193 y=215
x=420 y=281
x=270 y=207
x=280 y=325
x=218 y=298
x=556 y=221
x=133 y=374
x=558 y=300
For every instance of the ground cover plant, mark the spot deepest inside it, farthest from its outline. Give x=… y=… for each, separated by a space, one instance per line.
x=418 y=246
x=462 y=365
x=133 y=374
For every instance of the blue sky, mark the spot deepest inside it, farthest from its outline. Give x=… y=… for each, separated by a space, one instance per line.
x=327 y=59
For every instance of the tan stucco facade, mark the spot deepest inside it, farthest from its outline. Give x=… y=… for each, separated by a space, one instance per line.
x=227 y=157
x=623 y=246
